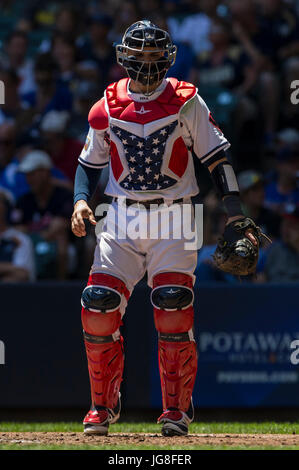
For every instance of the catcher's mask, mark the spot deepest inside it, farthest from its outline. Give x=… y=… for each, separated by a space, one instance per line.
x=144 y=36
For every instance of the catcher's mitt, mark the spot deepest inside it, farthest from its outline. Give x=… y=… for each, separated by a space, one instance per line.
x=235 y=253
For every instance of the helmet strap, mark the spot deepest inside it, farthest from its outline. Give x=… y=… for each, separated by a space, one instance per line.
x=142 y=92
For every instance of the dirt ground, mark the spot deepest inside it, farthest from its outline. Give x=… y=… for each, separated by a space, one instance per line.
x=75 y=438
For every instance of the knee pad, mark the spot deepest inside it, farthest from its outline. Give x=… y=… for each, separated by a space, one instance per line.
x=172 y=297
x=103 y=302
x=100 y=299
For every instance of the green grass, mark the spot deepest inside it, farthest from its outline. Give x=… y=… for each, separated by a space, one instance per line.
x=195 y=428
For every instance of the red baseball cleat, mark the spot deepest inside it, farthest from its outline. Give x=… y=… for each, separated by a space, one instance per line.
x=98 y=419
x=97 y=422
x=176 y=422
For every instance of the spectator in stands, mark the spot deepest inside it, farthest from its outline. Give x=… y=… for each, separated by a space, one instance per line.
x=194 y=29
x=246 y=28
x=128 y=12
x=16 y=58
x=7 y=142
x=44 y=214
x=66 y=22
x=65 y=54
x=149 y=7
x=270 y=37
x=85 y=95
x=16 y=250
x=225 y=75
x=11 y=12
x=251 y=184
x=223 y=66
x=49 y=94
x=99 y=53
x=10 y=156
x=284 y=190
x=174 y=12
x=63 y=150
x=279 y=39
x=10 y=179
x=282 y=261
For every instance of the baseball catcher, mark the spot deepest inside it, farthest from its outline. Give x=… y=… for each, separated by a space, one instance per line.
x=147 y=129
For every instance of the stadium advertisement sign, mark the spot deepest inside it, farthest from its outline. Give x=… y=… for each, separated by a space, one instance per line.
x=247 y=345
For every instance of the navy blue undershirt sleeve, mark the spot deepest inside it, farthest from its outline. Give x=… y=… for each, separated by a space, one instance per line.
x=86 y=181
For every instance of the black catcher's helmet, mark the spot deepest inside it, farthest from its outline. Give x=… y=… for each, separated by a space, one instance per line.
x=141 y=35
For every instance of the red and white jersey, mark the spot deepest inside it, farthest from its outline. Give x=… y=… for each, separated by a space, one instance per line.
x=148 y=140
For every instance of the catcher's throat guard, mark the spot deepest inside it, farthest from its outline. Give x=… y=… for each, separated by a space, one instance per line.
x=144 y=36
x=235 y=252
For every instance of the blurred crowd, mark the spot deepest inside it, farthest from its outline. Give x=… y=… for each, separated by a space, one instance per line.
x=55 y=61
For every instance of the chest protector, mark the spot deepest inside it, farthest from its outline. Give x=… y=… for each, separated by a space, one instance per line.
x=147 y=149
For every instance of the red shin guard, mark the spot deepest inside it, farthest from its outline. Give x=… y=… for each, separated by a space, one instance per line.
x=177 y=354
x=178 y=366
x=104 y=352
x=105 y=366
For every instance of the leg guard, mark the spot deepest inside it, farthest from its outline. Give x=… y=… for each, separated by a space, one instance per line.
x=172 y=297
x=103 y=303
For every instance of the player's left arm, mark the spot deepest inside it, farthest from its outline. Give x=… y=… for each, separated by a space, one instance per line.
x=225 y=182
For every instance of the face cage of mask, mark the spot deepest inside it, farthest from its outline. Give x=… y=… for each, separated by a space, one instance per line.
x=146 y=73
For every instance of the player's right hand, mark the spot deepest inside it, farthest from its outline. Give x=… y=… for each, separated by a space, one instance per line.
x=81 y=211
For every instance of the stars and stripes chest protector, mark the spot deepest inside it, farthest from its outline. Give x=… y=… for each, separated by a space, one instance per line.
x=146 y=147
